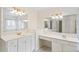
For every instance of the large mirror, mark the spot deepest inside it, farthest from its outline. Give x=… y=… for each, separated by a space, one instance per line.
x=13 y=22
x=65 y=25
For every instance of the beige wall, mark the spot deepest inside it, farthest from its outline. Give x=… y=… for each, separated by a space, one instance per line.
x=32 y=17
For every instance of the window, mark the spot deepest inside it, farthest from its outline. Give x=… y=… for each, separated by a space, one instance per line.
x=12 y=25
x=20 y=25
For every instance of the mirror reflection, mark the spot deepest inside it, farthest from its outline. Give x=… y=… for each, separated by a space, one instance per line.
x=14 y=21
x=65 y=25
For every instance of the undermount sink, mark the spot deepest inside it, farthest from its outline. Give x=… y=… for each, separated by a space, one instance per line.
x=19 y=33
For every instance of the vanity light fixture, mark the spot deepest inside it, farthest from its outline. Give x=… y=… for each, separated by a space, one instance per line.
x=61 y=16
x=57 y=16
x=53 y=17
x=17 y=11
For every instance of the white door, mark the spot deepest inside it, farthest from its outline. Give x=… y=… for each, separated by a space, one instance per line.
x=12 y=46
x=22 y=44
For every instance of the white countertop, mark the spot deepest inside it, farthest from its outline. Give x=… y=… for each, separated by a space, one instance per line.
x=61 y=36
x=45 y=33
x=13 y=35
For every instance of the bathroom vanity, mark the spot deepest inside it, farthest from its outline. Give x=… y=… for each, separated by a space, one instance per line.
x=13 y=42
x=61 y=33
x=60 y=42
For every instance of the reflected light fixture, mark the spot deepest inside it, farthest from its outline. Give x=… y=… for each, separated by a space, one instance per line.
x=17 y=11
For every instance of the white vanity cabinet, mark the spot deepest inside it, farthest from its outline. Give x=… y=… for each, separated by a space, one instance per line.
x=69 y=46
x=63 y=46
x=24 y=43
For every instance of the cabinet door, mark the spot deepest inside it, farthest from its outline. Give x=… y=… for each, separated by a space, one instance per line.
x=22 y=44
x=12 y=46
x=69 y=47
x=56 y=46
x=30 y=43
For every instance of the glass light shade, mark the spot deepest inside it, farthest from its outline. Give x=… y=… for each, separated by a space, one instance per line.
x=20 y=13
x=13 y=11
x=56 y=17
x=23 y=13
x=17 y=12
x=60 y=16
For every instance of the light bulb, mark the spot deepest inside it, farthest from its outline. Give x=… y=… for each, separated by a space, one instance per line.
x=60 y=16
x=23 y=13
x=56 y=17
x=20 y=13
x=13 y=11
x=53 y=17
